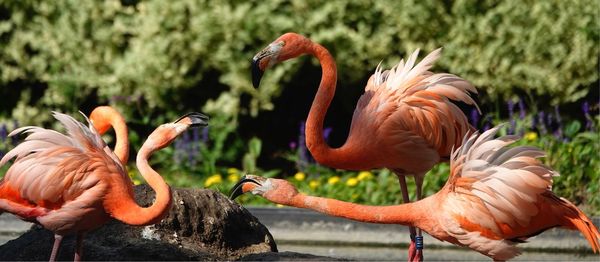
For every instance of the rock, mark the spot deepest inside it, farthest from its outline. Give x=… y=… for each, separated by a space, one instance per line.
x=201 y=225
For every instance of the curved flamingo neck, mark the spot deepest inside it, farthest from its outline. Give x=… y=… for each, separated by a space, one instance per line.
x=315 y=142
x=128 y=210
x=410 y=214
x=122 y=143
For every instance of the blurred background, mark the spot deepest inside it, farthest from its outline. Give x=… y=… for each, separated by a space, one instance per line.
x=535 y=64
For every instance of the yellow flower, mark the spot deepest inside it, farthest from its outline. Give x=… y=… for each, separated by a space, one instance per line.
x=233 y=170
x=352 y=182
x=531 y=136
x=213 y=180
x=233 y=177
x=133 y=177
x=279 y=205
x=313 y=184
x=333 y=180
x=364 y=175
x=300 y=176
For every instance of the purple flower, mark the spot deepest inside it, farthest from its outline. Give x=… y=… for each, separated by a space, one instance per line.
x=487 y=124
x=522 y=111
x=486 y=127
x=326 y=133
x=511 y=106
x=293 y=145
x=303 y=154
x=588 y=118
x=474 y=117
x=205 y=135
x=558 y=131
x=196 y=140
x=541 y=122
x=189 y=148
x=195 y=135
x=179 y=147
x=3 y=132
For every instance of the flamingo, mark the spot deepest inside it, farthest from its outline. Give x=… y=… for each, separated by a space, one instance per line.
x=495 y=197
x=404 y=121
x=73 y=183
x=105 y=117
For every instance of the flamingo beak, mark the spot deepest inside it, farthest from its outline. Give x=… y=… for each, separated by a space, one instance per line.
x=193 y=119
x=264 y=59
x=239 y=188
x=257 y=73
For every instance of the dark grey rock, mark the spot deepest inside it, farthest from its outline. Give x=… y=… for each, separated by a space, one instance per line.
x=201 y=225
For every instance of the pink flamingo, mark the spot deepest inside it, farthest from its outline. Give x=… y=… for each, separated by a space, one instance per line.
x=495 y=198
x=71 y=184
x=404 y=121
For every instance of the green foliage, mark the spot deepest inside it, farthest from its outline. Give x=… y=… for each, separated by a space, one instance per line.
x=153 y=57
x=511 y=46
x=249 y=160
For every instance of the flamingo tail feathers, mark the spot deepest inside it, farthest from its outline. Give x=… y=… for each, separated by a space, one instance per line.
x=579 y=221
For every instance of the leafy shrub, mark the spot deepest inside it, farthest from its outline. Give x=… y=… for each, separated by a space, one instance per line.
x=157 y=58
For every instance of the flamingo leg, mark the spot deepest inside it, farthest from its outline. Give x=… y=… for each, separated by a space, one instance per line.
x=420 y=245
x=406 y=199
x=55 y=247
x=78 y=248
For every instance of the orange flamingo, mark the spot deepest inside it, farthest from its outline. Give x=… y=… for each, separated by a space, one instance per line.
x=404 y=121
x=495 y=198
x=71 y=184
x=105 y=117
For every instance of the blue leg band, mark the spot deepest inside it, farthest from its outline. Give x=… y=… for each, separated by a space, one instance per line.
x=419 y=242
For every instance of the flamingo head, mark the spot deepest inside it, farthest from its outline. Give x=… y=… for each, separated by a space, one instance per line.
x=102 y=116
x=287 y=46
x=278 y=191
x=163 y=135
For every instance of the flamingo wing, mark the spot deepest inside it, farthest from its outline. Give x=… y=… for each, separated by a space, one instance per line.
x=412 y=109
x=52 y=169
x=495 y=193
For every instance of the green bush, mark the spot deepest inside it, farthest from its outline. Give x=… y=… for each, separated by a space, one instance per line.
x=160 y=57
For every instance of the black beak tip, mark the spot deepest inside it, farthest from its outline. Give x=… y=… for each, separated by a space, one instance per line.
x=198 y=119
x=237 y=188
x=257 y=73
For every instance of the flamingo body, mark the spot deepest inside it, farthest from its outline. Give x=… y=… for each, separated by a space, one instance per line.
x=73 y=183
x=404 y=121
x=496 y=197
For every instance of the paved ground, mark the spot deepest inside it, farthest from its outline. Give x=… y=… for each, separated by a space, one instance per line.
x=309 y=232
